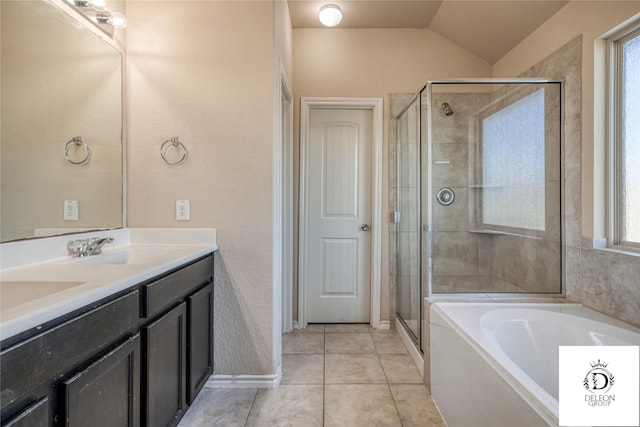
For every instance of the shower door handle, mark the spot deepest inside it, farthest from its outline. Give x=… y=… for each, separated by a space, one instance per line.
x=364 y=227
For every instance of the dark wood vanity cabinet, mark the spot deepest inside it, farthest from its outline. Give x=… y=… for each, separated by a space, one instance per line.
x=137 y=359
x=35 y=369
x=178 y=342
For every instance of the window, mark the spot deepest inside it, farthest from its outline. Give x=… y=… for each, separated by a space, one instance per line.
x=513 y=165
x=624 y=136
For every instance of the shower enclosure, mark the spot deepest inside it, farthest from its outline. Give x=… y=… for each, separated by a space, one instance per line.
x=477 y=194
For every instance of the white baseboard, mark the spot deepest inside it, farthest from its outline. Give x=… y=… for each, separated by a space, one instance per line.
x=385 y=325
x=415 y=354
x=245 y=381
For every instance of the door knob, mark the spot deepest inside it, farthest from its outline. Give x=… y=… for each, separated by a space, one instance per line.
x=365 y=227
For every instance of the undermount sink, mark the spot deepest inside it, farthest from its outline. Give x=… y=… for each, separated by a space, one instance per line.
x=134 y=255
x=15 y=293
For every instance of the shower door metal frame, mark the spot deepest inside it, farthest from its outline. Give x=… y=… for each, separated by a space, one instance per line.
x=416 y=98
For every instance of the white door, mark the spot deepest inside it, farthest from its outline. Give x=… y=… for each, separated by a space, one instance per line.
x=339 y=215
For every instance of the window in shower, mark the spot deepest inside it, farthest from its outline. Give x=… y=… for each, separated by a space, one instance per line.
x=625 y=137
x=513 y=165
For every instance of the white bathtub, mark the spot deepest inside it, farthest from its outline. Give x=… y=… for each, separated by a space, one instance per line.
x=496 y=364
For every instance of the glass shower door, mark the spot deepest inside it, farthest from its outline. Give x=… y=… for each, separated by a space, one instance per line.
x=408 y=269
x=496 y=151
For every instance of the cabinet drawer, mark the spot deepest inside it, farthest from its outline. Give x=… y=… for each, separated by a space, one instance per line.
x=36 y=415
x=164 y=292
x=45 y=356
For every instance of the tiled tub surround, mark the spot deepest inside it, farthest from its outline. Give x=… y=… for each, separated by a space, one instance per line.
x=604 y=280
x=29 y=265
x=480 y=346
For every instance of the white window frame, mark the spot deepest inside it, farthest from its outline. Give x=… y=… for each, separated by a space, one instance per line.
x=614 y=138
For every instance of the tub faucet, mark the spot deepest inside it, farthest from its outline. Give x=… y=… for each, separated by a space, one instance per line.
x=92 y=246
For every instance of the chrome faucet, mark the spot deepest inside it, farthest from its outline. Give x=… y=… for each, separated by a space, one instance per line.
x=92 y=246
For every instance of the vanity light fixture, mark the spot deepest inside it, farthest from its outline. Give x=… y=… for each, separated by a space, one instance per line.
x=96 y=5
x=117 y=19
x=100 y=13
x=330 y=15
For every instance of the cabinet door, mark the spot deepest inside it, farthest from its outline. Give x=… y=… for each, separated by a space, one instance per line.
x=36 y=415
x=164 y=392
x=107 y=392
x=199 y=340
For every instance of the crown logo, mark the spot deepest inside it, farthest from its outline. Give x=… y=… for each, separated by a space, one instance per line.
x=599 y=364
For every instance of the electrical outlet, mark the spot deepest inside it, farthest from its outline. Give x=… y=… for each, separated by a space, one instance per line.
x=182 y=210
x=70 y=210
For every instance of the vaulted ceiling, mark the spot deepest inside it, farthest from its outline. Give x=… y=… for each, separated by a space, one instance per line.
x=487 y=28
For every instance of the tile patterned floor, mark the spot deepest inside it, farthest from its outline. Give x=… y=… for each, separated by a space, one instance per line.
x=332 y=375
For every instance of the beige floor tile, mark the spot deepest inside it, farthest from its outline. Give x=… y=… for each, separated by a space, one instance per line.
x=311 y=327
x=348 y=342
x=220 y=407
x=389 y=343
x=310 y=343
x=302 y=369
x=288 y=405
x=353 y=405
x=347 y=327
x=400 y=369
x=416 y=406
x=353 y=369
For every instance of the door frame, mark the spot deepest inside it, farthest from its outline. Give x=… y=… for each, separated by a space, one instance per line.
x=285 y=173
x=375 y=106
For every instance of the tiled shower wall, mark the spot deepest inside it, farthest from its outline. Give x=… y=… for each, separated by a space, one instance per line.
x=483 y=260
x=461 y=260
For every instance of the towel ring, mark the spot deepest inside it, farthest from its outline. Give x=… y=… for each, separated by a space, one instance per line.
x=175 y=142
x=77 y=140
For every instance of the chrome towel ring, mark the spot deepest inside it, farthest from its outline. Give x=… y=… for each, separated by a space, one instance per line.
x=77 y=141
x=175 y=142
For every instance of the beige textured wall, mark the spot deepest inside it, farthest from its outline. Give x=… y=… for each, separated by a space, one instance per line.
x=374 y=63
x=205 y=71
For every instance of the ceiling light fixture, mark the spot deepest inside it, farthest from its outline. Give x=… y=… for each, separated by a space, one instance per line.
x=330 y=15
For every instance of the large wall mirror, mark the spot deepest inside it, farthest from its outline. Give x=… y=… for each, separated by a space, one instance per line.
x=59 y=81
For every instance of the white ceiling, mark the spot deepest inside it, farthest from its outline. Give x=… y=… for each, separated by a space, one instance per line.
x=487 y=28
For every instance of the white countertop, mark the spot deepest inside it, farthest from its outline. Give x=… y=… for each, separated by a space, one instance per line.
x=35 y=267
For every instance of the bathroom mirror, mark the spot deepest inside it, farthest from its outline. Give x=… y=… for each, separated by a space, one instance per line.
x=59 y=81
